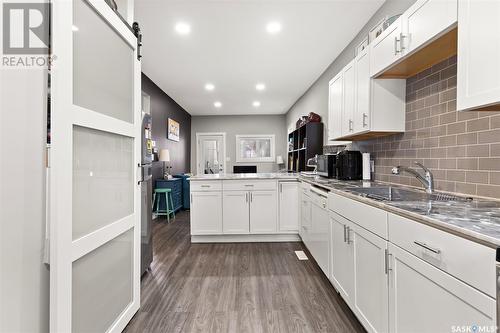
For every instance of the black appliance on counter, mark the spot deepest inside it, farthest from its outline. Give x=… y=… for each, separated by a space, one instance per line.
x=326 y=165
x=349 y=165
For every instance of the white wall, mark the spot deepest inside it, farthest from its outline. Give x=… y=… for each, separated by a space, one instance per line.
x=24 y=279
x=234 y=125
x=315 y=99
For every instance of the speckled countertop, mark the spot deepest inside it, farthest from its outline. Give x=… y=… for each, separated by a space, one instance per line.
x=477 y=220
x=235 y=176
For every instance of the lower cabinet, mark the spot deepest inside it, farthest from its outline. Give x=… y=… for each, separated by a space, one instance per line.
x=288 y=194
x=342 y=275
x=263 y=212
x=206 y=213
x=319 y=235
x=236 y=218
x=305 y=215
x=425 y=299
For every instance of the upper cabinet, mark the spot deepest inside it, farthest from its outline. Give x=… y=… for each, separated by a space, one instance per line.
x=361 y=107
x=423 y=36
x=478 y=77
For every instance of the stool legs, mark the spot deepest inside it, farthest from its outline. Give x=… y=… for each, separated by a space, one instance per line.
x=171 y=204
x=167 y=206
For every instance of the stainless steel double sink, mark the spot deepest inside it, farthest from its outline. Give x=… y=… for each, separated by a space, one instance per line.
x=390 y=193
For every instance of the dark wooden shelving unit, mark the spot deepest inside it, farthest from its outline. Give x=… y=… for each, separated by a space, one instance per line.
x=304 y=143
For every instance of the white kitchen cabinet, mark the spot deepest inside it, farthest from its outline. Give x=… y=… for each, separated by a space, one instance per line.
x=385 y=50
x=263 y=212
x=342 y=257
x=206 y=213
x=371 y=297
x=335 y=107
x=478 y=77
x=288 y=193
x=349 y=95
x=236 y=217
x=423 y=298
x=425 y=20
x=319 y=233
x=305 y=214
x=361 y=113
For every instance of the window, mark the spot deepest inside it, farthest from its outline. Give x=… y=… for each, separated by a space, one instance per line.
x=255 y=148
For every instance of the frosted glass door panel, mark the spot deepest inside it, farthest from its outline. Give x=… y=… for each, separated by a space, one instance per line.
x=102 y=285
x=103 y=179
x=101 y=84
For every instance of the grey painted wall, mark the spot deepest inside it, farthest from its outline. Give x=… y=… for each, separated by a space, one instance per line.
x=24 y=279
x=315 y=99
x=234 y=125
x=162 y=108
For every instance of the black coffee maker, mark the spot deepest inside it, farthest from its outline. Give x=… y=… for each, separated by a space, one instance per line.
x=349 y=165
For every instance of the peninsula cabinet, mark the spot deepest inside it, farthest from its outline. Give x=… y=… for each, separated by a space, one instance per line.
x=478 y=77
x=206 y=212
x=426 y=299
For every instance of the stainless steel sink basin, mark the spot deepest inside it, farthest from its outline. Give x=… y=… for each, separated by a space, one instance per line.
x=389 y=193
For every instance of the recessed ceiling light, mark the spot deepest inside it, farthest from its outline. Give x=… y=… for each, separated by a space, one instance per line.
x=256 y=104
x=260 y=86
x=217 y=104
x=74 y=28
x=273 y=27
x=209 y=87
x=183 y=28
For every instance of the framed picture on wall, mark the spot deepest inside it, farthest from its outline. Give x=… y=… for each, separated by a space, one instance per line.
x=172 y=130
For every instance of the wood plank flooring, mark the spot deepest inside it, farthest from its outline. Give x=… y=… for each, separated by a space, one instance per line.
x=245 y=287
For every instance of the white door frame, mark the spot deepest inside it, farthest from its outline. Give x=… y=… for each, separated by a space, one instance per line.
x=199 y=169
x=64 y=115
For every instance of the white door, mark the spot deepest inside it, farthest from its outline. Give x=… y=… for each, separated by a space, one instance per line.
x=386 y=48
x=342 y=271
x=206 y=213
x=335 y=106
x=478 y=77
x=263 y=212
x=425 y=20
x=288 y=206
x=320 y=235
x=349 y=93
x=94 y=192
x=423 y=299
x=361 y=116
x=371 y=295
x=236 y=212
x=210 y=153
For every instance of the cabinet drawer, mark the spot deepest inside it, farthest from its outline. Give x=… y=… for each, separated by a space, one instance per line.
x=246 y=185
x=470 y=262
x=368 y=217
x=209 y=185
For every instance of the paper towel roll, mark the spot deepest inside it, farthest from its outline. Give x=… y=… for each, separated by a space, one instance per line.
x=366 y=167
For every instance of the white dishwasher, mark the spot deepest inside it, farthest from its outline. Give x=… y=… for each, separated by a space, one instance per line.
x=319 y=233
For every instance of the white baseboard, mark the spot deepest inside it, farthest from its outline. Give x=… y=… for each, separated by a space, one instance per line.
x=245 y=238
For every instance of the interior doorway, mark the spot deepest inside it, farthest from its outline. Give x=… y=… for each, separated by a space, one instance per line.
x=210 y=153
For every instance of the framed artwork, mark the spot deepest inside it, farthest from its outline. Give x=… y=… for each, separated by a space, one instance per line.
x=255 y=148
x=172 y=130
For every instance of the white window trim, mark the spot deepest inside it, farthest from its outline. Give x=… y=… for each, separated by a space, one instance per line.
x=270 y=159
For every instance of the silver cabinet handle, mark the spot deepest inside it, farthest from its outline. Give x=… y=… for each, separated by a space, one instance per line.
x=345 y=233
x=246 y=197
x=281 y=188
x=350 y=125
x=396 y=41
x=364 y=119
x=191 y=197
x=427 y=247
x=324 y=204
x=349 y=235
x=401 y=41
x=251 y=196
x=206 y=186
x=248 y=185
x=387 y=255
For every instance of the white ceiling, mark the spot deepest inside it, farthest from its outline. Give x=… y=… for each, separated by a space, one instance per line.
x=230 y=47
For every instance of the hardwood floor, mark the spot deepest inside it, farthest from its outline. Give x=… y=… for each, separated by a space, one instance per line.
x=245 y=287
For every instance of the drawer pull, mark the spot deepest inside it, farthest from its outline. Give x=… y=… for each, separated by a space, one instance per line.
x=248 y=185
x=427 y=247
x=205 y=185
x=345 y=233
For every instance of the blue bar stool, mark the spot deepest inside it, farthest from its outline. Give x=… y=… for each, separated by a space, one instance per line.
x=169 y=204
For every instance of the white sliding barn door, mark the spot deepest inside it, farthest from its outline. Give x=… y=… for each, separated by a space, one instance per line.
x=95 y=151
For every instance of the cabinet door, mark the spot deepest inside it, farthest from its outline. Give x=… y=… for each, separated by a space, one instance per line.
x=349 y=90
x=425 y=20
x=206 y=213
x=236 y=211
x=342 y=275
x=263 y=212
x=305 y=218
x=335 y=106
x=478 y=77
x=320 y=236
x=423 y=298
x=371 y=296
x=288 y=206
x=362 y=108
x=385 y=49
